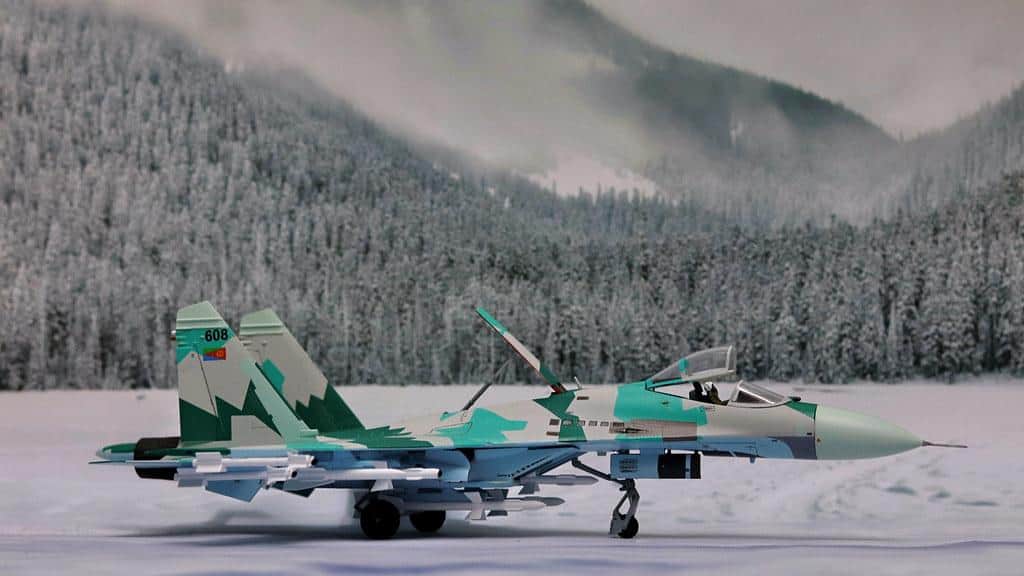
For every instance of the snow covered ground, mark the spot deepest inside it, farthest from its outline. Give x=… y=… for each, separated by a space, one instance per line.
x=930 y=511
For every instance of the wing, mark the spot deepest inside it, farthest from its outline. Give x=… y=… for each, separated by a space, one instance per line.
x=542 y=369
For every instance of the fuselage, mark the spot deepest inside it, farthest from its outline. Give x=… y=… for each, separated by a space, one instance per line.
x=636 y=416
x=629 y=417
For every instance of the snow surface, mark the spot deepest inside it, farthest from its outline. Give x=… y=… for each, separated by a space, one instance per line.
x=930 y=511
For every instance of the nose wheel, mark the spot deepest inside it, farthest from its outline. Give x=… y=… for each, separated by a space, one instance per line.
x=624 y=523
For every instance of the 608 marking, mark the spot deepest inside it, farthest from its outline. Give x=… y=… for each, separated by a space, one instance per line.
x=216 y=334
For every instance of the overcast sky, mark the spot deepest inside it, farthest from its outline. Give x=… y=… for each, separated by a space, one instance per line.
x=481 y=80
x=908 y=65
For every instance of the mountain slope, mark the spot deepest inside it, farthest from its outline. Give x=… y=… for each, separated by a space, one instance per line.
x=137 y=175
x=759 y=151
x=555 y=90
x=771 y=154
x=965 y=157
x=710 y=99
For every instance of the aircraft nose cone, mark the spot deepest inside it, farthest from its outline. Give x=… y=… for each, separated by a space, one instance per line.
x=845 y=435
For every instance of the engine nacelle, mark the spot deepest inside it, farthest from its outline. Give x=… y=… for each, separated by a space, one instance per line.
x=144 y=451
x=655 y=465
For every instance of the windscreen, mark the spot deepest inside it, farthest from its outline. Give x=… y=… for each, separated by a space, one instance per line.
x=749 y=394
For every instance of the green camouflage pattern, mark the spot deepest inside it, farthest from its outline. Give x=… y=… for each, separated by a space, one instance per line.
x=223 y=396
x=255 y=411
x=224 y=402
x=292 y=372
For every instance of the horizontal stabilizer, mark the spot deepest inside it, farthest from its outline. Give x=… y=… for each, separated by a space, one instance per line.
x=149 y=463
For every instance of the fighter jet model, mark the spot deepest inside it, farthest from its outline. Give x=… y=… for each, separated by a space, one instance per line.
x=256 y=413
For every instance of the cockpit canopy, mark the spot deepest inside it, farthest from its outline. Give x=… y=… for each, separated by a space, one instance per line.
x=710 y=364
x=700 y=368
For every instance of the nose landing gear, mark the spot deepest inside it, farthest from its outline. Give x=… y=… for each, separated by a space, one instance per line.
x=623 y=524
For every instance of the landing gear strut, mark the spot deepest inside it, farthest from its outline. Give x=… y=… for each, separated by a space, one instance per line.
x=624 y=524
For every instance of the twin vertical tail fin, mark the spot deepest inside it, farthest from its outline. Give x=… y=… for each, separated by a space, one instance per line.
x=223 y=396
x=292 y=372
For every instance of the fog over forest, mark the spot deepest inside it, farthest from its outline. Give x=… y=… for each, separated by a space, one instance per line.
x=556 y=90
x=143 y=170
x=912 y=67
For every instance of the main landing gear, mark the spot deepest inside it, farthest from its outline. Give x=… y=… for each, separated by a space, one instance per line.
x=379 y=517
x=624 y=524
x=427 y=521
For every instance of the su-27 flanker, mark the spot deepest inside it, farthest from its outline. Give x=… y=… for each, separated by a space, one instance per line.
x=256 y=413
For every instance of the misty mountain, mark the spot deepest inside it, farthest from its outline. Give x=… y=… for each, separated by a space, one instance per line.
x=761 y=151
x=139 y=174
x=554 y=90
x=732 y=111
x=767 y=153
x=964 y=158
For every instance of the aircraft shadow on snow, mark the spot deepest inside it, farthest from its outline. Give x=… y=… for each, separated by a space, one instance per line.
x=253 y=527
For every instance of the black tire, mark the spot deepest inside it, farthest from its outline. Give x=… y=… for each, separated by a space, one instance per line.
x=379 y=520
x=428 y=521
x=632 y=527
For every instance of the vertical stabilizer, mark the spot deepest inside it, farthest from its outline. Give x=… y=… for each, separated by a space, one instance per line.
x=222 y=394
x=294 y=374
